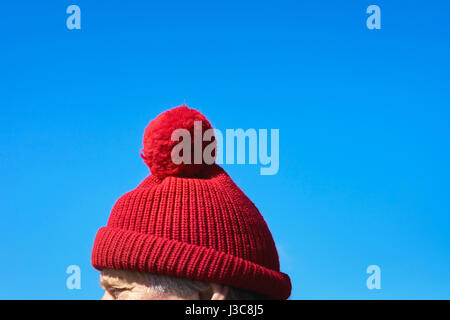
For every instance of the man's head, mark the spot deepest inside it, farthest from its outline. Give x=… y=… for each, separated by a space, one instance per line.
x=133 y=285
x=186 y=221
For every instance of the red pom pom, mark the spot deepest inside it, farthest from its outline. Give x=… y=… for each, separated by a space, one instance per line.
x=158 y=143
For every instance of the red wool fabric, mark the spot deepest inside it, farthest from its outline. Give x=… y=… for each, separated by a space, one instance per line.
x=195 y=224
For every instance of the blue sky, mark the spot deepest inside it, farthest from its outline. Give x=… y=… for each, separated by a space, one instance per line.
x=363 y=118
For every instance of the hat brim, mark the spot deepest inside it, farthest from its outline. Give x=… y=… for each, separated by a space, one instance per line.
x=116 y=248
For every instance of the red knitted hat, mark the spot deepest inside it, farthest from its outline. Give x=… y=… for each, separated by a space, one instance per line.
x=190 y=221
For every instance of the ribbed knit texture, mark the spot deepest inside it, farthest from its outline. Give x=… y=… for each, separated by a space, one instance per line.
x=203 y=229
